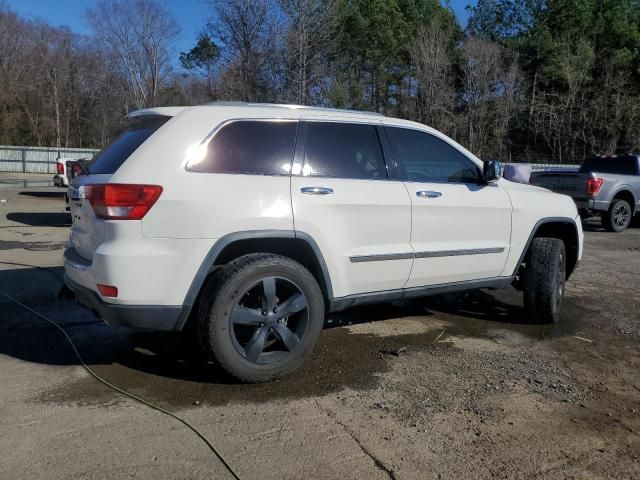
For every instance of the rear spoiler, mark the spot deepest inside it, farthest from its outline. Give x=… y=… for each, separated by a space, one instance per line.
x=155 y=112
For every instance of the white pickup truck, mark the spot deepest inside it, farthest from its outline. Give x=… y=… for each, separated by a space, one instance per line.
x=60 y=179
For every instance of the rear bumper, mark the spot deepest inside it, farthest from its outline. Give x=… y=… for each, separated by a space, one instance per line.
x=592 y=204
x=139 y=317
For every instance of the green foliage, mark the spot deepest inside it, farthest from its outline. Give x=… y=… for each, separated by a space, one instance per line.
x=375 y=39
x=203 y=56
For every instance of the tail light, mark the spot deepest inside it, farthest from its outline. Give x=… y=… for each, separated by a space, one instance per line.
x=594 y=185
x=114 y=201
x=60 y=168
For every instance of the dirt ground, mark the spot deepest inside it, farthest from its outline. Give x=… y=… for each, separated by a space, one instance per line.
x=491 y=397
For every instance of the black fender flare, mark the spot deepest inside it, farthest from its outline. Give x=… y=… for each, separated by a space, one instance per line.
x=218 y=247
x=536 y=227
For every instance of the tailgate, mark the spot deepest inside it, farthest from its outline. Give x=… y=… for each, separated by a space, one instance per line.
x=87 y=231
x=572 y=184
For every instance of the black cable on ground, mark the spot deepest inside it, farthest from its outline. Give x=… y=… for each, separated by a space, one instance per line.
x=118 y=389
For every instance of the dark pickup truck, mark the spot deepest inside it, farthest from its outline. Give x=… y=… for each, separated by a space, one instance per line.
x=605 y=186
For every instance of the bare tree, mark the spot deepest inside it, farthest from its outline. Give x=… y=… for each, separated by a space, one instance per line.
x=433 y=70
x=248 y=31
x=558 y=114
x=308 y=37
x=139 y=35
x=491 y=95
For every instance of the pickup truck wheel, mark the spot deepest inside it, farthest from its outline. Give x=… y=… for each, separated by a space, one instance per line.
x=261 y=317
x=618 y=217
x=544 y=280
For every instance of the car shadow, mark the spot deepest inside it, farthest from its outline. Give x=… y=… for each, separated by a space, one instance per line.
x=44 y=219
x=25 y=335
x=57 y=194
x=593 y=224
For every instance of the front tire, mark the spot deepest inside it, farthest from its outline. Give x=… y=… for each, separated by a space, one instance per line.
x=260 y=316
x=618 y=218
x=544 y=280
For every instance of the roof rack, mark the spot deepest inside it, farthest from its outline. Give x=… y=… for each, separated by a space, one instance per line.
x=291 y=107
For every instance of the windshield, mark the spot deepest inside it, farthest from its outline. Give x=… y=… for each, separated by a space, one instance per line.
x=621 y=165
x=114 y=155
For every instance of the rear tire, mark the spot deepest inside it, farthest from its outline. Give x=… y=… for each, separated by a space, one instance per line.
x=544 y=280
x=260 y=317
x=618 y=218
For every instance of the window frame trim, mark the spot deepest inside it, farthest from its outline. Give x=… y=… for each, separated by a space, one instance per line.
x=212 y=134
x=402 y=171
x=385 y=150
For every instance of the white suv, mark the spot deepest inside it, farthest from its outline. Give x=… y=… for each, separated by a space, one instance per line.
x=252 y=221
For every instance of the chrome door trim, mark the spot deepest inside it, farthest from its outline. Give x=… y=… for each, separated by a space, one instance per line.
x=455 y=253
x=381 y=257
x=433 y=254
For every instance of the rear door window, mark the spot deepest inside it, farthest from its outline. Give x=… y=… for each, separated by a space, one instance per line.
x=251 y=147
x=619 y=165
x=343 y=150
x=426 y=158
x=114 y=155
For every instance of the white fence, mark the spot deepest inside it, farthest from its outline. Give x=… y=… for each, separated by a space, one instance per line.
x=37 y=159
x=538 y=167
x=43 y=159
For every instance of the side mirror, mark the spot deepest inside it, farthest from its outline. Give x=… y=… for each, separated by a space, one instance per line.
x=491 y=171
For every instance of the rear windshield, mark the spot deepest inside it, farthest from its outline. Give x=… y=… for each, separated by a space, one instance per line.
x=619 y=165
x=110 y=158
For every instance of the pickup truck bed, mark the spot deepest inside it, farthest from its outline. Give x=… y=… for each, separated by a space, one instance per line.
x=606 y=186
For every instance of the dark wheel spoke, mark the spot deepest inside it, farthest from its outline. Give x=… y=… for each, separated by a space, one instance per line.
x=255 y=346
x=241 y=315
x=286 y=336
x=294 y=304
x=269 y=293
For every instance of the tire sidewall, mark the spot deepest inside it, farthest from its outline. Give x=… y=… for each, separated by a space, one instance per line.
x=220 y=329
x=560 y=259
x=611 y=223
x=541 y=281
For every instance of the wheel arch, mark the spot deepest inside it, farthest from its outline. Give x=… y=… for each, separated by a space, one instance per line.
x=562 y=228
x=296 y=245
x=624 y=192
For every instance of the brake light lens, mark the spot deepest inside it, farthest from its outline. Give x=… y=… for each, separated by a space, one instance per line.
x=594 y=185
x=107 y=290
x=60 y=168
x=117 y=201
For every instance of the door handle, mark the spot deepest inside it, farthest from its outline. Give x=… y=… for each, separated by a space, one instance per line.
x=428 y=194
x=316 y=190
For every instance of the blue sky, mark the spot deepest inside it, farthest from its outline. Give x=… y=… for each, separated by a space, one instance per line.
x=191 y=14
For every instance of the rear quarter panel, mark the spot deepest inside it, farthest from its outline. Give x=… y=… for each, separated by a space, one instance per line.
x=204 y=205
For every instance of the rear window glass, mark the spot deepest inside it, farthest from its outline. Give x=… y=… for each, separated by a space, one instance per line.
x=619 y=165
x=343 y=150
x=114 y=155
x=251 y=147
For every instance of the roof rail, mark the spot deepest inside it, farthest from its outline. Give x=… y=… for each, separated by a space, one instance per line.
x=290 y=106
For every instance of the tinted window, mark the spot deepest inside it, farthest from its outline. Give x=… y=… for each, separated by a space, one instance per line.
x=114 y=155
x=619 y=165
x=250 y=146
x=426 y=158
x=343 y=150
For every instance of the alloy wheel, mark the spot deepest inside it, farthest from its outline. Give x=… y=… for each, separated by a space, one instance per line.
x=621 y=215
x=269 y=321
